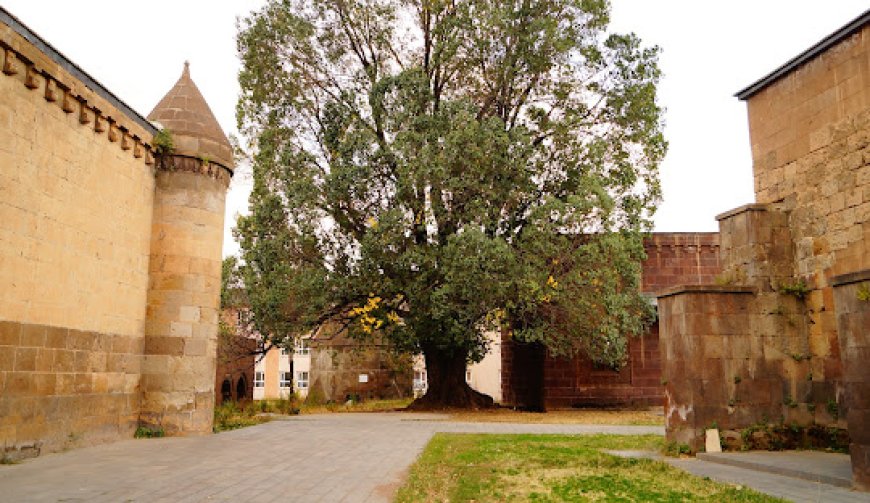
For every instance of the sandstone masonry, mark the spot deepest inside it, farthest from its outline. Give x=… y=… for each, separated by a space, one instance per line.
x=781 y=339
x=110 y=263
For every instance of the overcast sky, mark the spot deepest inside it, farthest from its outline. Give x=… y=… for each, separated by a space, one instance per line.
x=710 y=50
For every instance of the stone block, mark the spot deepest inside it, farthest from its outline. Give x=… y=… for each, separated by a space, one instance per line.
x=10 y=333
x=860 y=455
x=173 y=346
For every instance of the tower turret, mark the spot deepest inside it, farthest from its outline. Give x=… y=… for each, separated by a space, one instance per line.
x=185 y=265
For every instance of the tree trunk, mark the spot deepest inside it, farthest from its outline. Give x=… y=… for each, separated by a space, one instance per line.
x=446 y=384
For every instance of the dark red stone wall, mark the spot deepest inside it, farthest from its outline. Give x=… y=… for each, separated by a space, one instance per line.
x=533 y=379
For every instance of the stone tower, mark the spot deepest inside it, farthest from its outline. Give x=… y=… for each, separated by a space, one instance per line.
x=178 y=365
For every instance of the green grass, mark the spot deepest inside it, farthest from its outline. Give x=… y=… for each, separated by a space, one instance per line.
x=231 y=415
x=549 y=468
x=364 y=406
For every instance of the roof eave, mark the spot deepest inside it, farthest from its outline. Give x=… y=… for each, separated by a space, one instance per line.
x=826 y=43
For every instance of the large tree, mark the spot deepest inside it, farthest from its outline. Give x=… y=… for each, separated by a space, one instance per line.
x=427 y=170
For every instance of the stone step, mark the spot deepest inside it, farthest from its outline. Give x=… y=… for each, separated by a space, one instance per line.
x=824 y=467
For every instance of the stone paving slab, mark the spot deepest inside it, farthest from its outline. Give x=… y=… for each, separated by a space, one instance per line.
x=815 y=466
x=329 y=458
x=780 y=486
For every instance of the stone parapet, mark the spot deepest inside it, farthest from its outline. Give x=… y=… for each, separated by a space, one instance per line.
x=755 y=247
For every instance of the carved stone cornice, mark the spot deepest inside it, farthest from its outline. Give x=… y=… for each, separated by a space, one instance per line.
x=195 y=165
x=50 y=75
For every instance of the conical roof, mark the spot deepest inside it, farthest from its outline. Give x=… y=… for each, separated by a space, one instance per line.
x=195 y=131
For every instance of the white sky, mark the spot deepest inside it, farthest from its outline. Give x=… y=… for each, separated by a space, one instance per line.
x=711 y=49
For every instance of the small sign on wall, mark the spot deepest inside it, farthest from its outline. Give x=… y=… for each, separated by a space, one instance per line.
x=363 y=378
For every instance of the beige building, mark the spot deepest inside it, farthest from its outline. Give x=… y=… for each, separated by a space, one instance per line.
x=110 y=255
x=282 y=372
x=484 y=376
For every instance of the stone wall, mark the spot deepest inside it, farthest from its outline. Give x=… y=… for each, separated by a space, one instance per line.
x=77 y=190
x=532 y=378
x=771 y=344
x=810 y=134
x=852 y=295
x=338 y=367
x=675 y=258
x=109 y=257
x=577 y=382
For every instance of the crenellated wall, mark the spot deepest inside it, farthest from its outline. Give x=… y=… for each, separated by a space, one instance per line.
x=534 y=379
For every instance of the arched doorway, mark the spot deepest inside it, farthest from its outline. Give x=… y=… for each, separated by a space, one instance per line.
x=241 y=389
x=226 y=391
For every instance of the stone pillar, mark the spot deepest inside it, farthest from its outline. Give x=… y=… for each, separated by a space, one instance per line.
x=178 y=368
x=852 y=301
x=710 y=362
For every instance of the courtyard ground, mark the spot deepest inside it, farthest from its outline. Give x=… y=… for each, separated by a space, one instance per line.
x=305 y=458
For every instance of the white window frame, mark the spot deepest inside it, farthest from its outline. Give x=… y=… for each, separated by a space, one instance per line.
x=259 y=379
x=420 y=381
x=303 y=346
x=285 y=380
x=302 y=377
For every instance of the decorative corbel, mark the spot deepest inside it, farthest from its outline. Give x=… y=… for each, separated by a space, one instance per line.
x=50 y=90
x=84 y=116
x=31 y=78
x=69 y=103
x=99 y=122
x=9 y=66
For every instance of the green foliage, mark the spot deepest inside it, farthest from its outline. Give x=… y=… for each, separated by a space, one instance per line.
x=496 y=168
x=164 y=144
x=164 y=147
x=147 y=432
x=6 y=459
x=675 y=449
x=467 y=468
x=798 y=289
x=863 y=292
x=230 y=416
x=776 y=437
x=232 y=287
x=833 y=409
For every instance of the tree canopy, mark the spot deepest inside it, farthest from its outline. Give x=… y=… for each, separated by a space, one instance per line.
x=430 y=169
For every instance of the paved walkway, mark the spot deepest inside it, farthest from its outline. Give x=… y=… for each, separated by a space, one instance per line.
x=799 y=476
x=330 y=458
x=334 y=458
x=780 y=486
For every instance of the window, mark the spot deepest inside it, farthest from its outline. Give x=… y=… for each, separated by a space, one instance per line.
x=284 y=351
x=467 y=376
x=303 y=346
x=286 y=380
x=301 y=380
x=258 y=380
x=419 y=379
